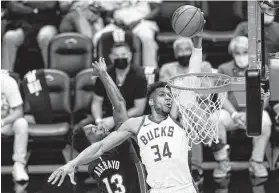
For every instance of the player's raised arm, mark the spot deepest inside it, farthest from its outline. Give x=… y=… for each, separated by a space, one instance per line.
x=196 y=57
x=93 y=152
x=119 y=105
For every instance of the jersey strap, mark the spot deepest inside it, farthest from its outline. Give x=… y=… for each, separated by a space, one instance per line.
x=142 y=122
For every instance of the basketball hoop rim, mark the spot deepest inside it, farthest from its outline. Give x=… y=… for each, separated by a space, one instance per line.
x=216 y=89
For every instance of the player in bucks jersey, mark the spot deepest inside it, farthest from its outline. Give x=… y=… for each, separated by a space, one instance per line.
x=162 y=140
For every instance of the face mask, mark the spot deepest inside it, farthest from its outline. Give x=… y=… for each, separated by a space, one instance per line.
x=184 y=60
x=121 y=63
x=241 y=60
x=268 y=19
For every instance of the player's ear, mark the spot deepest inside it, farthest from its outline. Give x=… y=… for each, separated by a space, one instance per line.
x=151 y=102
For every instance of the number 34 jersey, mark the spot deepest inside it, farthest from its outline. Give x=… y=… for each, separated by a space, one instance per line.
x=164 y=152
x=119 y=171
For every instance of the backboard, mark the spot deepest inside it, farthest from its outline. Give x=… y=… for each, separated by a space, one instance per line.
x=255 y=75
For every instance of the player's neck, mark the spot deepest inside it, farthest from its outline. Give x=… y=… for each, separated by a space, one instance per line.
x=157 y=118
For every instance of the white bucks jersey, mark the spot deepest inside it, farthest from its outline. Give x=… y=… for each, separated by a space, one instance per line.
x=164 y=152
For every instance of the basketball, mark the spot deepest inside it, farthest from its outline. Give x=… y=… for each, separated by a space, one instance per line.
x=187 y=21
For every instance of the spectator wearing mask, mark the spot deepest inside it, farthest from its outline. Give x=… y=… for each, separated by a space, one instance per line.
x=271 y=31
x=182 y=51
x=233 y=117
x=131 y=82
x=28 y=19
x=139 y=17
x=13 y=123
x=81 y=16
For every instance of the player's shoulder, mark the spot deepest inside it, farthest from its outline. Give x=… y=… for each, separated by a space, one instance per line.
x=135 y=123
x=136 y=120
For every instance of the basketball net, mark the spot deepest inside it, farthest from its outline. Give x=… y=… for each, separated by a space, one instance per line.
x=199 y=98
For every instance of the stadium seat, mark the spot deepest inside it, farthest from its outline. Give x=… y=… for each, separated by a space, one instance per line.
x=49 y=136
x=107 y=40
x=70 y=52
x=83 y=89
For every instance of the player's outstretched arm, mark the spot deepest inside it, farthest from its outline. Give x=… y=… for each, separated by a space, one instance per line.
x=119 y=105
x=196 y=57
x=94 y=151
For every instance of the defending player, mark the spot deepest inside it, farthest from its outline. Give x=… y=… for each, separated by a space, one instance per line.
x=114 y=169
x=162 y=141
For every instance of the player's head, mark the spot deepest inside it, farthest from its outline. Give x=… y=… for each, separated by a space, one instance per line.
x=159 y=99
x=269 y=13
x=238 y=48
x=182 y=48
x=94 y=133
x=121 y=55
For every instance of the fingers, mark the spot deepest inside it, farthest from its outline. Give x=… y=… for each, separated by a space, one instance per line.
x=94 y=65
x=72 y=176
x=55 y=176
x=62 y=178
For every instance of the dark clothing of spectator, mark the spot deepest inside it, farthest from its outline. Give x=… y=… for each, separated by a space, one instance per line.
x=134 y=87
x=28 y=22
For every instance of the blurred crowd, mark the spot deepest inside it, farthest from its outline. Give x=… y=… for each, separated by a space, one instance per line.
x=137 y=57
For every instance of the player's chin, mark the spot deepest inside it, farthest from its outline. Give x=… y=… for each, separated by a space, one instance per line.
x=166 y=110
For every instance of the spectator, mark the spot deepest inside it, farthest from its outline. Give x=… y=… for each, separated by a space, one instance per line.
x=182 y=51
x=28 y=19
x=139 y=17
x=233 y=117
x=271 y=31
x=13 y=123
x=82 y=17
x=131 y=82
x=272 y=151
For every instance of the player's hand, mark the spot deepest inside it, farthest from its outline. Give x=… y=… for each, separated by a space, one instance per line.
x=197 y=39
x=60 y=174
x=240 y=119
x=100 y=67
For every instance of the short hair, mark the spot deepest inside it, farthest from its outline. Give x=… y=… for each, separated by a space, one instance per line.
x=239 y=41
x=120 y=44
x=182 y=40
x=154 y=86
